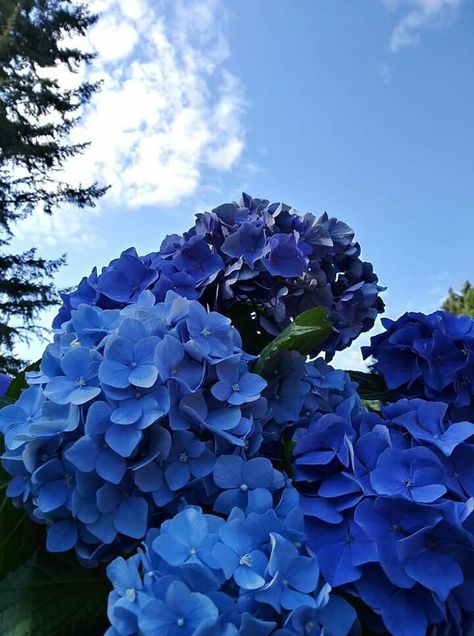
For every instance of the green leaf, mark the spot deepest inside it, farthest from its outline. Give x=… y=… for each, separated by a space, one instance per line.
x=42 y=594
x=287 y=445
x=19 y=383
x=372 y=387
x=305 y=334
x=53 y=595
x=20 y=537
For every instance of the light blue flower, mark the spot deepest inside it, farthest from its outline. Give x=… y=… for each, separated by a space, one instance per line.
x=188 y=538
x=179 y=612
x=79 y=384
x=130 y=361
x=239 y=556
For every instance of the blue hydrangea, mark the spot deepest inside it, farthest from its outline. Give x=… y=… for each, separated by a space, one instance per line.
x=299 y=391
x=388 y=505
x=264 y=256
x=428 y=357
x=204 y=575
x=126 y=417
x=5 y=381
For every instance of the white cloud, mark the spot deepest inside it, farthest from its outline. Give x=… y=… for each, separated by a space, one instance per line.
x=419 y=16
x=351 y=358
x=169 y=116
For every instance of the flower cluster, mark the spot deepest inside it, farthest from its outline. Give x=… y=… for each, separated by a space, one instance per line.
x=203 y=575
x=128 y=413
x=429 y=357
x=388 y=505
x=264 y=256
x=299 y=390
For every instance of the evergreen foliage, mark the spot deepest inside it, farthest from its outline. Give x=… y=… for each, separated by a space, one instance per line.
x=40 y=103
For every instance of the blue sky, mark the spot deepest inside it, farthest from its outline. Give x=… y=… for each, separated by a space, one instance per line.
x=362 y=109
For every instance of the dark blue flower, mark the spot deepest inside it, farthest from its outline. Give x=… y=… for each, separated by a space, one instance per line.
x=284 y=258
x=126 y=278
x=324 y=442
x=415 y=473
x=5 y=381
x=342 y=549
x=189 y=458
x=246 y=252
x=332 y=615
x=172 y=362
x=425 y=421
x=236 y=386
x=428 y=357
x=247 y=242
x=246 y=484
x=293 y=577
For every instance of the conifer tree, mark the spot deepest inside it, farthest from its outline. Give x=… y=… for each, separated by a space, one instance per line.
x=38 y=110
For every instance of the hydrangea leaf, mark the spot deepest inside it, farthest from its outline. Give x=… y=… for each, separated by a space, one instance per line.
x=372 y=387
x=19 y=536
x=19 y=383
x=52 y=596
x=305 y=334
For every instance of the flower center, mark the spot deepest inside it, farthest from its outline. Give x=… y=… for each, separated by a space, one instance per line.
x=235 y=387
x=81 y=381
x=67 y=479
x=175 y=371
x=183 y=457
x=205 y=332
x=246 y=560
x=180 y=622
x=244 y=487
x=192 y=551
x=130 y=594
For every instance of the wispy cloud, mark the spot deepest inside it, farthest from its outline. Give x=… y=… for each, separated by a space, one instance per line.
x=170 y=113
x=420 y=15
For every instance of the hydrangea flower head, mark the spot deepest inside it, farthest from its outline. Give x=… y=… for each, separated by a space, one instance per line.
x=202 y=575
x=388 y=504
x=264 y=256
x=126 y=416
x=429 y=357
x=299 y=391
